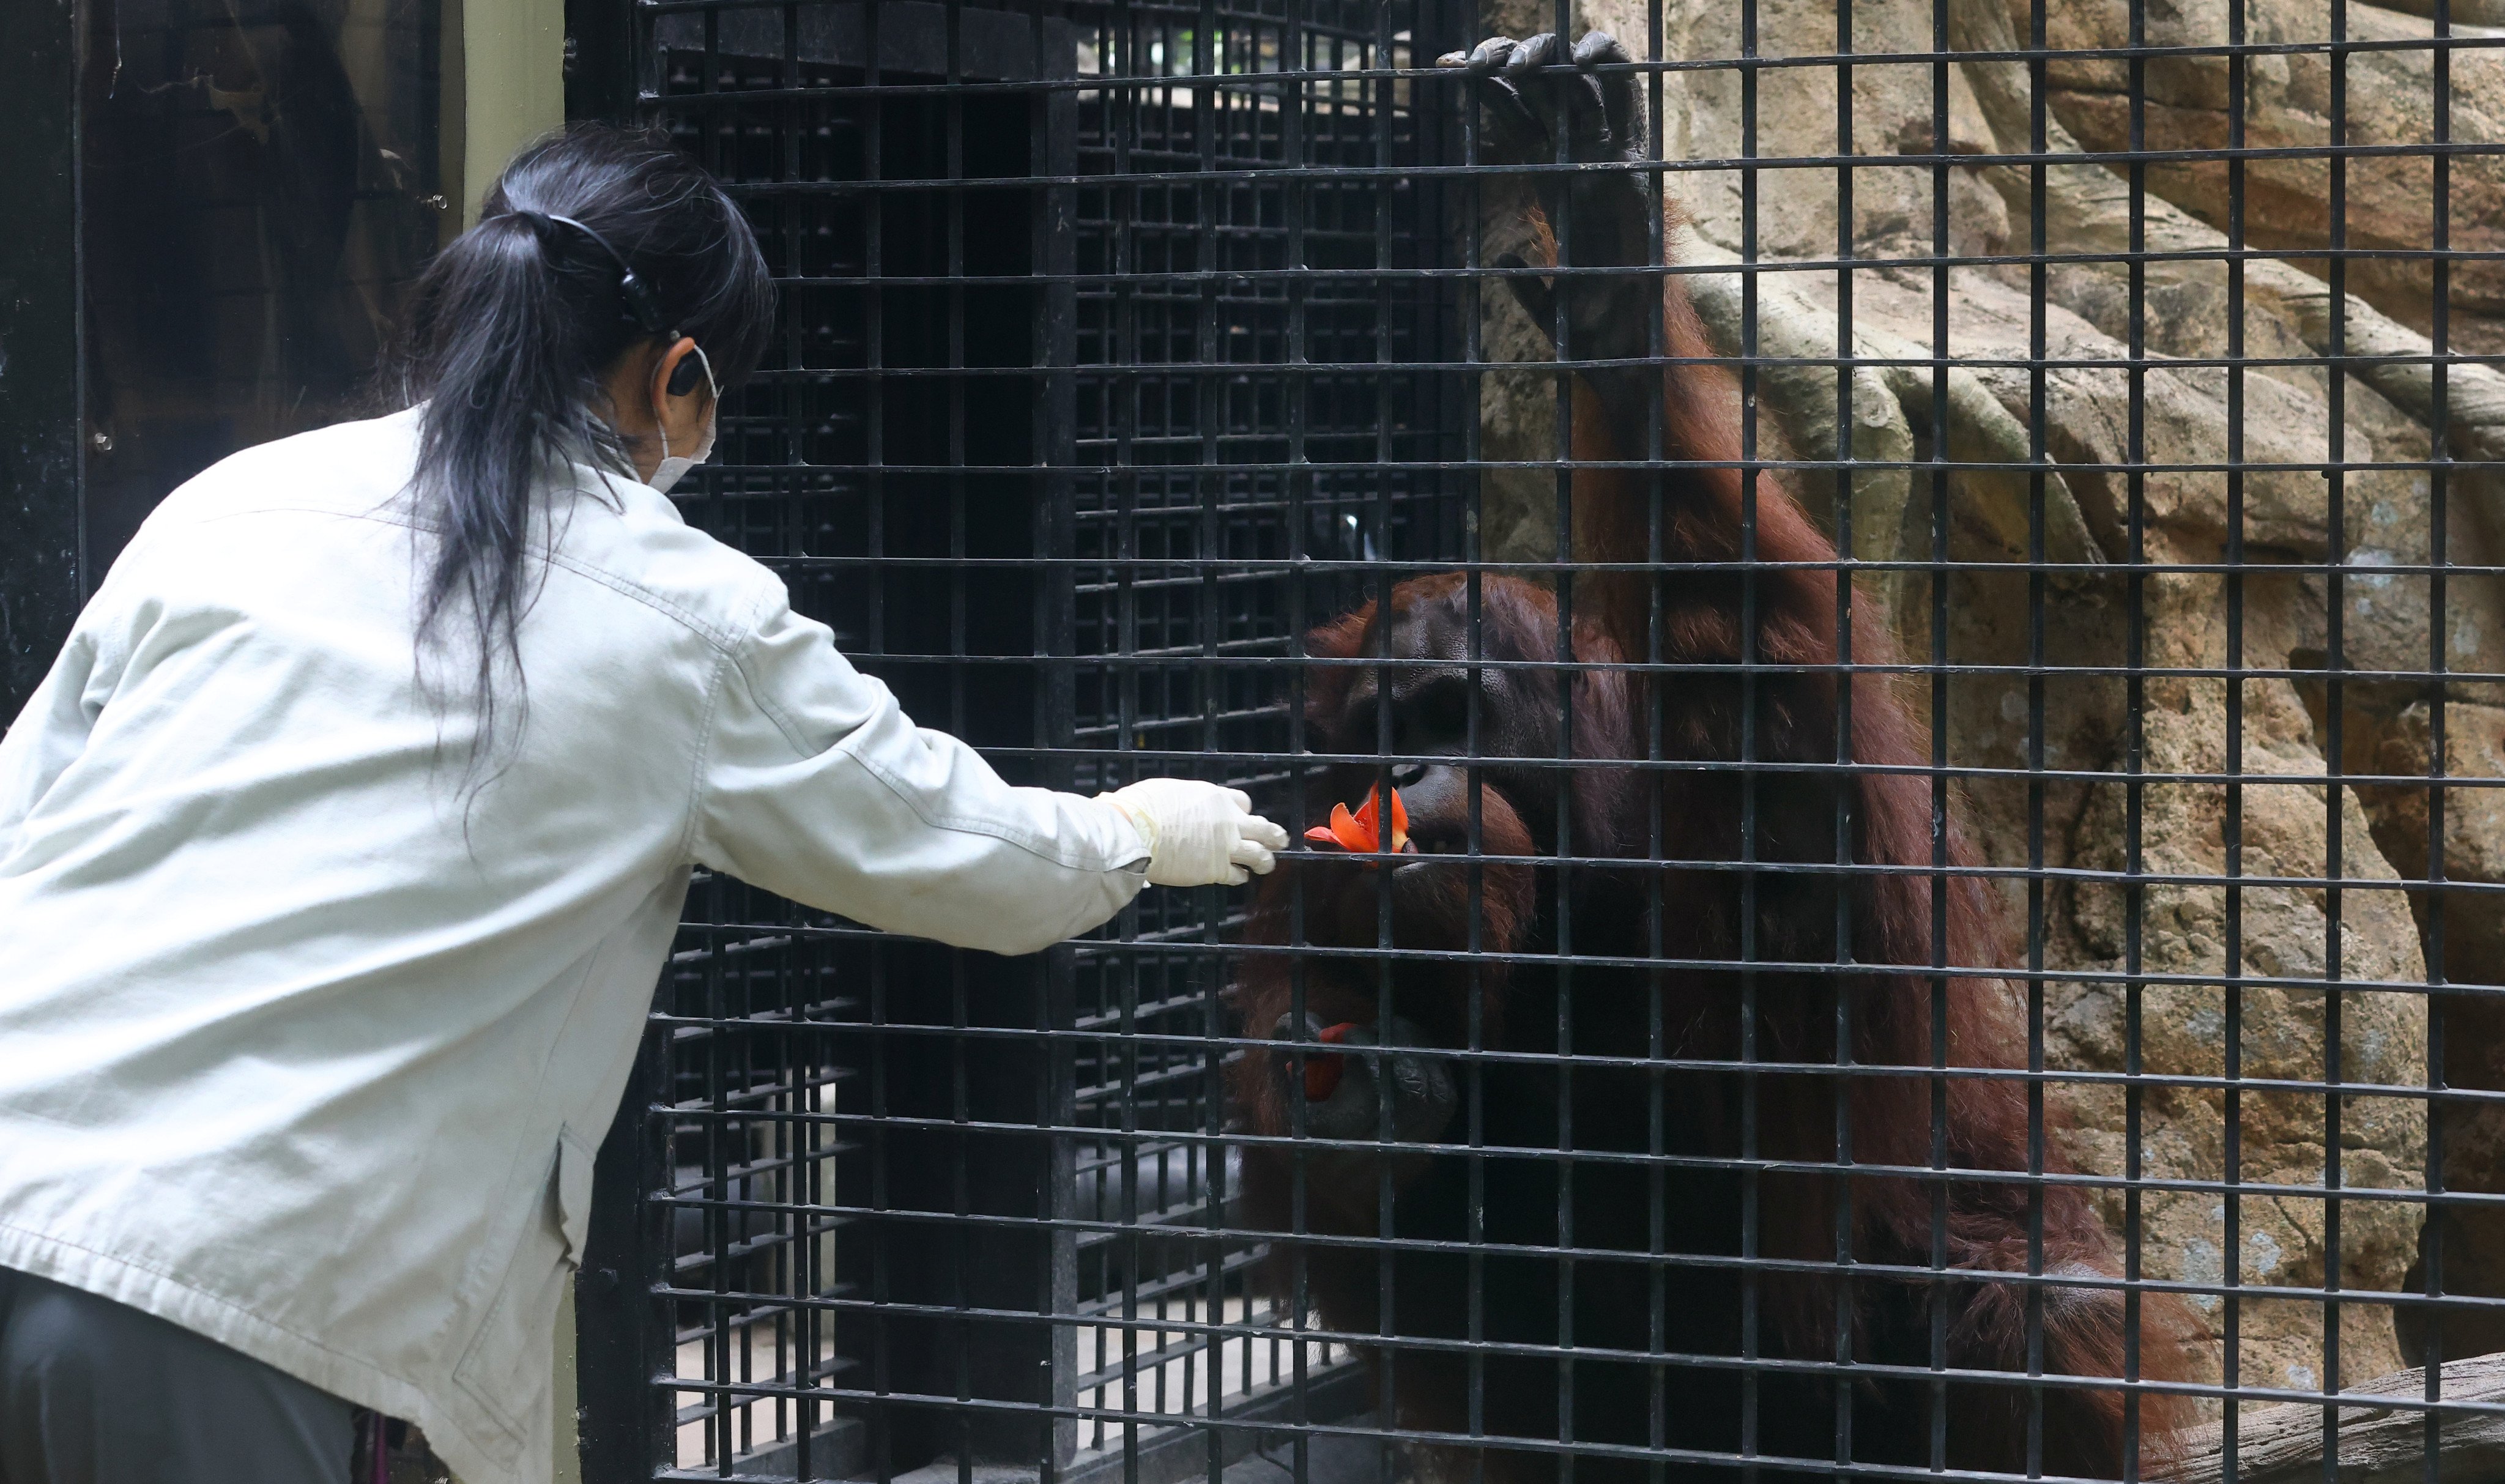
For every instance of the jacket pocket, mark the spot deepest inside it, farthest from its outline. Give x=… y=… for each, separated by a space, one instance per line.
x=506 y=1367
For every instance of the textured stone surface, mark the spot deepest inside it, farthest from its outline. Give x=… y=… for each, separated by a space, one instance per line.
x=2288 y=105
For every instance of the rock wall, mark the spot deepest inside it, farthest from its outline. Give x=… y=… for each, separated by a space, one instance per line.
x=2390 y=100
x=2233 y=835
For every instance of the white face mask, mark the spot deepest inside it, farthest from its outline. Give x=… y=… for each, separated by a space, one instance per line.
x=674 y=467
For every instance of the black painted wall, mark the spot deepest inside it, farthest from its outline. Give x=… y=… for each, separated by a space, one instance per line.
x=40 y=367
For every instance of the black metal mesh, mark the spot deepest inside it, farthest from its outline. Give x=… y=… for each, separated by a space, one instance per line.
x=1982 y=906
x=1020 y=448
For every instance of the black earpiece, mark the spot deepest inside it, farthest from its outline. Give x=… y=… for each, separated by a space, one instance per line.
x=642 y=306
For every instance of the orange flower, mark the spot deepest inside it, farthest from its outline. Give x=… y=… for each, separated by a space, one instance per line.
x=1323 y=1068
x=1362 y=831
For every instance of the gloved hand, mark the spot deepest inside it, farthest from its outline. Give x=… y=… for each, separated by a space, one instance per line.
x=1198 y=833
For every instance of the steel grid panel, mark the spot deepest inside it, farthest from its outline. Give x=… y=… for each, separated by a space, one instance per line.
x=1949 y=924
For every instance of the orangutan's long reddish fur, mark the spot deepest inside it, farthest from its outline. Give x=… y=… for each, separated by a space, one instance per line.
x=1796 y=700
x=1893 y=919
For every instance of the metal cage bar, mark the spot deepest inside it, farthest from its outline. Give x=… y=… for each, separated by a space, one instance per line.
x=1945 y=922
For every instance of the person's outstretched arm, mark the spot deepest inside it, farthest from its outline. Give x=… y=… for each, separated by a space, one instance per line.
x=816 y=786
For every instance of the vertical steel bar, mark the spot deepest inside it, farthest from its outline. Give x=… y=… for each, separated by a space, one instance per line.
x=2334 y=862
x=2231 y=828
x=1752 y=987
x=2436 y=1216
x=1845 y=782
x=1942 y=250
x=2039 y=292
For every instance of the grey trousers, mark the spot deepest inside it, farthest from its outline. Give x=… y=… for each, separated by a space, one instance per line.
x=93 y=1392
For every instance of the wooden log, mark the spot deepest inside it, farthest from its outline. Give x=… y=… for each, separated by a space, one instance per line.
x=2377 y=1444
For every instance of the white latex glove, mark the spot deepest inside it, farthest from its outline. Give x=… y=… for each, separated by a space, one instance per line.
x=1198 y=833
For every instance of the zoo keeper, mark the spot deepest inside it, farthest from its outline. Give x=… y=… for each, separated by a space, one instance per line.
x=342 y=849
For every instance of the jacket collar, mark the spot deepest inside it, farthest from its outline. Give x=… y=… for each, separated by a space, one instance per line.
x=633 y=496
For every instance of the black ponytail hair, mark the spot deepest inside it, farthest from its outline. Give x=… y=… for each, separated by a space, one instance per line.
x=512 y=333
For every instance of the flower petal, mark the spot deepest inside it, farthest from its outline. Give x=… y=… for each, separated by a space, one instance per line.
x=1322 y=1071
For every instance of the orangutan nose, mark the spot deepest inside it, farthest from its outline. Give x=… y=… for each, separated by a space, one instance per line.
x=1343 y=1089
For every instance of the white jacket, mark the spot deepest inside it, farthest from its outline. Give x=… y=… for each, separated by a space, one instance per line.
x=306 y=1051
